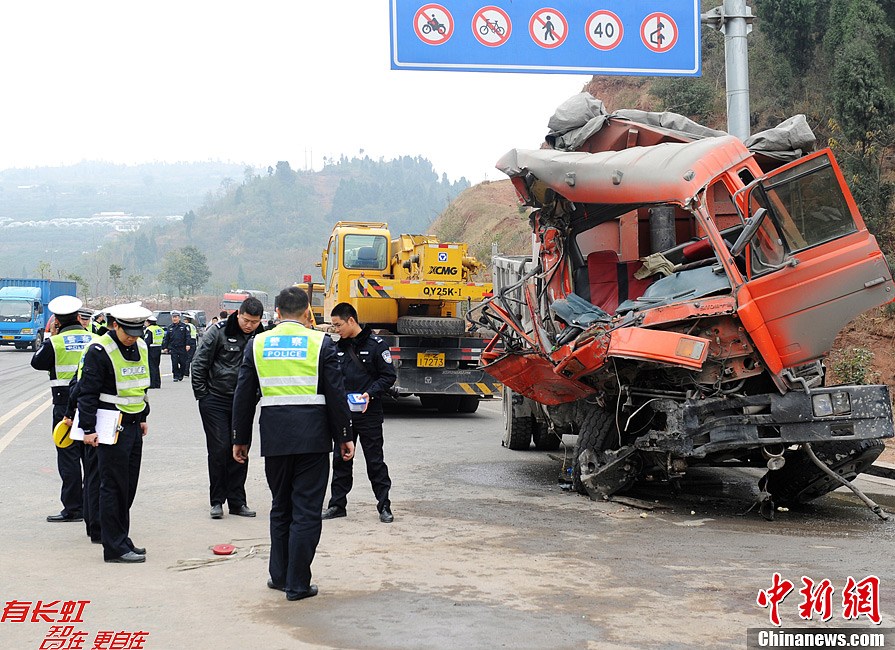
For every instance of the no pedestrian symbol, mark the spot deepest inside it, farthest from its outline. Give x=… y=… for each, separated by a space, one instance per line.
x=548 y=28
x=604 y=30
x=433 y=24
x=658 y=32
x=491 y=26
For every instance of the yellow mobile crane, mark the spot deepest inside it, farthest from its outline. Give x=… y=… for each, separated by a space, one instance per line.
x=413 y=290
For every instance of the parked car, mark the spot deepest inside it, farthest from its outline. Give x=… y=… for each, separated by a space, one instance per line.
x=164 y=318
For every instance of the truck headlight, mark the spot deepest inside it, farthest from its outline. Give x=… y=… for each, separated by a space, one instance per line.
x=27 y=330
x=827 y=404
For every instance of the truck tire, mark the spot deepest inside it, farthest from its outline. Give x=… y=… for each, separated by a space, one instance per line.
x=431 y=326
x=545 y=440
x=800 y=480
x=517 y=431
x=447 y=403
x=36 y=343
x=592 y=435
x=468 y=404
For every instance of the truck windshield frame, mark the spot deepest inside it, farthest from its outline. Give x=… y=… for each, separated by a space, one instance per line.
x=16 y=310
x=365 y=252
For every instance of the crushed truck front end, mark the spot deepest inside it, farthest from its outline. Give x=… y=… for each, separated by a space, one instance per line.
x=678 y=309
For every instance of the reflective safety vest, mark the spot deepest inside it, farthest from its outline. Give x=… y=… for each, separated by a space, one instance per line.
x=69 y=348
x=286 y=359
x=194 y=333
x=131 y=377
x=158 y=334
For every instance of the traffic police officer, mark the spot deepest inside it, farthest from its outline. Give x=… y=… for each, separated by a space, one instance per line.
x=115 y=377
x=59 y=355
x=366 y=364
x=177 y=342
x=303 y=413
x=153 y=337
x=194 y=340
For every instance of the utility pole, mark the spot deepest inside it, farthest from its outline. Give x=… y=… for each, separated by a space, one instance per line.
x=734 y=20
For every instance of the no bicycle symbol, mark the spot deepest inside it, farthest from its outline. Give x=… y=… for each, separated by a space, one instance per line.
x=433 y=24
x=658 y=32
x=548 y=28
x=491 y=26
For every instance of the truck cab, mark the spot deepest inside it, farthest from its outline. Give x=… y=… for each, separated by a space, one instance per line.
x=22 y=319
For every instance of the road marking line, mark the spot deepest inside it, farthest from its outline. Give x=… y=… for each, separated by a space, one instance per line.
x=24 y=405
x=9 y=437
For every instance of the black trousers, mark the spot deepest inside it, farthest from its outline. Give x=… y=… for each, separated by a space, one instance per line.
x=298 y=485
x=369 y=432
x=178 y=363
x=155 y=372
x=91 y=493
x=189 y=359
x=119 y=472
x=68 y=462
x=226 y=477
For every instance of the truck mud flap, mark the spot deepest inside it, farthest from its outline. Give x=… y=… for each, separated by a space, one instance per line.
x=422 y=381
x=533 y=376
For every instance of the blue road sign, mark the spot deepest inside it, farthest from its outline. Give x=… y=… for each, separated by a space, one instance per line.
x=609 y=37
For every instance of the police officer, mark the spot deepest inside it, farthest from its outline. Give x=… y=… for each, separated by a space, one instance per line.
x=366 y=364
x=303 y=413
x=194 y=341
x=115 y=377
x=214 y=373
x=177 y=342
x=98 y=324
x=59 y=355
x=153 y=337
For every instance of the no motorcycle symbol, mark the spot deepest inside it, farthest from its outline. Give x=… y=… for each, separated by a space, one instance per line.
x=433 y=24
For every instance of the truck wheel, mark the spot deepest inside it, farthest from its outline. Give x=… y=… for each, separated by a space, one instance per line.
x=431 y=326
x=800 y=480
x=35 y=344
x=592 y=435
x=468 y=404
x=545 y=440
x=517 y=430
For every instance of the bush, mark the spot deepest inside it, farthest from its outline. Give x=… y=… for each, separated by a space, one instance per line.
x=854 y=366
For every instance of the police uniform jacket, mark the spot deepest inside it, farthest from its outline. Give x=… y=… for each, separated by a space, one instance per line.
x=215 y=367
x=293 y=429
x=45 y=359
x=98 y=376
x=177 y=337
x=377 y=374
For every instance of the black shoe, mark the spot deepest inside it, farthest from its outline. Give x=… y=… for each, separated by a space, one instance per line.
x=75 y=516
x=217 y=511
x=386 y=516
x=96 y=540
x=242 y=511
x=272 y=585
x=138 y=550
x=310 y=593
x=333 y=512
x=128 y=558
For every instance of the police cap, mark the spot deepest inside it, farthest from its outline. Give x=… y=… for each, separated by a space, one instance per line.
x=175 y=313
x=130 y=317
x=63 y=305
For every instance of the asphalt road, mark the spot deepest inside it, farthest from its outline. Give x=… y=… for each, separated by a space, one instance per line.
x=487 y=550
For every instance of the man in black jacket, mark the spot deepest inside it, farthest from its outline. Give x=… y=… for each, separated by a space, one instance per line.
x=293 y=370
x=215 y=369
x=366 y=364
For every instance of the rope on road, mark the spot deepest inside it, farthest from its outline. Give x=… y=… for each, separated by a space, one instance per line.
x=255 y=548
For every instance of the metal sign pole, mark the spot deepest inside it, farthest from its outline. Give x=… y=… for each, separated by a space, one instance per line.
x=734 y=20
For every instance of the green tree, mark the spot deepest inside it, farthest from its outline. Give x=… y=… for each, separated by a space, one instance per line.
x=189 y=220
x=44 y=269
x=185 y=269
x=793 y=28
x=115 y=271
x=83 y=286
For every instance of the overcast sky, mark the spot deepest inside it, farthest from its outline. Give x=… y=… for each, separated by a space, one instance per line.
x=253 y=81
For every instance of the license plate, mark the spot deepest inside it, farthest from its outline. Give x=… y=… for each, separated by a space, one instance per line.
x=430 y=360
x=9 y=338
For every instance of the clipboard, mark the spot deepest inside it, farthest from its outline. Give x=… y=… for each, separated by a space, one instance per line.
x=108 y=423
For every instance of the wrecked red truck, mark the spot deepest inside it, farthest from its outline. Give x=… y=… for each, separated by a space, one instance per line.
x=681 y=296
